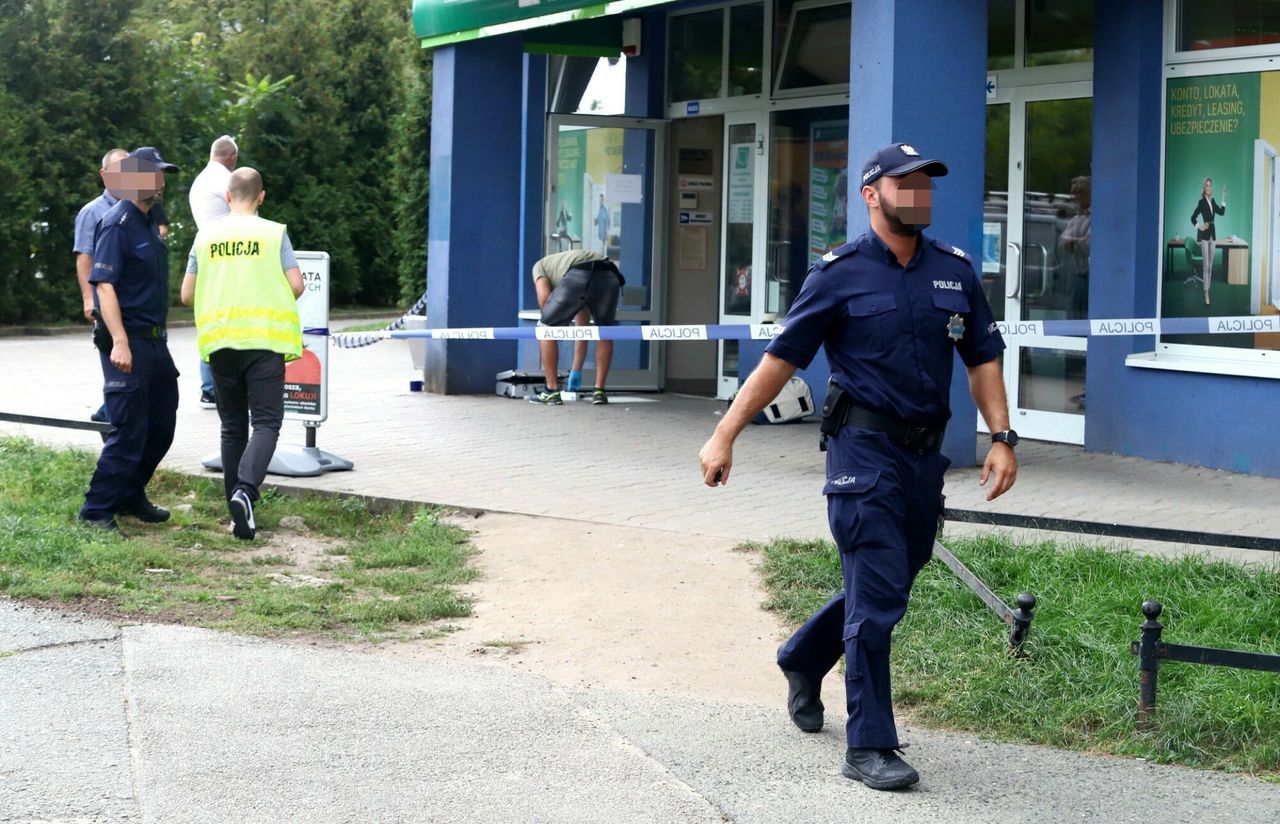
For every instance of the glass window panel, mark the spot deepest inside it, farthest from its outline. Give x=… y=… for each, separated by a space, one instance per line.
x=1051 y=380
x=1000 y=33
x=815 y=45
x=1059 y=31
x=740 y=225
x=808 y=198
x=1222 y=24
x=995 y=207
x=746 y=49
x=1057 y=210
x=730 y=369
x=606 y=92
x=696 y=55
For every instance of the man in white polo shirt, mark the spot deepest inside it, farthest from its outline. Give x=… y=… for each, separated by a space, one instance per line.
x=208 y=199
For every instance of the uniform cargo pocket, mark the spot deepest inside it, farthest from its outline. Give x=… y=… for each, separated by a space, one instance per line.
x=865 y=306
x=852 y=662
x=850 y=481
x=951 y=302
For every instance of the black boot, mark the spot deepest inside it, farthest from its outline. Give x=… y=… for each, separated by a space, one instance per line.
x=879 y=769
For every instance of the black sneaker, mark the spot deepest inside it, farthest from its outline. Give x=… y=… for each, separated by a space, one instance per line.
x=598 y=397
x=147 y=512
x=804 y=700
x=105 y=524
x=207 y=401
x=547 y=397
x=99 y=416
x=879 y=769
x=242 y=523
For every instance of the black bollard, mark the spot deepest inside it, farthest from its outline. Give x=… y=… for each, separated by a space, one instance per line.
x=1020 y=622
x=1148 y=664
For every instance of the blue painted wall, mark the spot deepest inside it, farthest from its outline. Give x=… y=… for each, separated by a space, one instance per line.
x=917 y=75
x=473 y=237
x=1210 y=420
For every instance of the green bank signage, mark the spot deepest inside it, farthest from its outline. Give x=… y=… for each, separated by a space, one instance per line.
x=442 y=22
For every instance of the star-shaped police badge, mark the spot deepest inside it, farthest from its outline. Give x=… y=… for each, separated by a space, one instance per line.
x=955 y=327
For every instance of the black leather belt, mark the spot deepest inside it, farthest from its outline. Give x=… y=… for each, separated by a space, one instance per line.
x=899 y=431
x=157 y=332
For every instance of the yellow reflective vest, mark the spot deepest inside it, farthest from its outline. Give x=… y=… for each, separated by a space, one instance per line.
x=243 y=300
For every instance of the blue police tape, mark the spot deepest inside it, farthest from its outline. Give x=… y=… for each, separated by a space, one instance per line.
x=1013 y=330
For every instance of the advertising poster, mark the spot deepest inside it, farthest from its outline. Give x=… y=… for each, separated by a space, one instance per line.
x=566 y=232
x=828 y=186
x=742 y=179
x=1219 y=237
x=305 y=379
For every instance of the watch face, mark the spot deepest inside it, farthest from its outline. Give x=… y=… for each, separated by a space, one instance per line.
x=1008 y=436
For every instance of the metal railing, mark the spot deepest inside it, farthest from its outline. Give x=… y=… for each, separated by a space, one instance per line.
x=1150 y=650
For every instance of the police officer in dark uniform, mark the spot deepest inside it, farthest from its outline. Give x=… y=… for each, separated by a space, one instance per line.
x=890 y=308
x=130 y=276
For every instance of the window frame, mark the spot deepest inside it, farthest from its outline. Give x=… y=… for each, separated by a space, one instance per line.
x=1185 y=357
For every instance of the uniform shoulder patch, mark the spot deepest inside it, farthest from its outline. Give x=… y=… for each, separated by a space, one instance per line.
x=952 y=250
x=834 y=255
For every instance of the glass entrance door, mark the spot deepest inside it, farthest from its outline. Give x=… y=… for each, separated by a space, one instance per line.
x=1035 y=267
x=604 y=184
x=743 y=239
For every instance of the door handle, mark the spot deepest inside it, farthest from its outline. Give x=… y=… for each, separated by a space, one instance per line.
x=1012 y=272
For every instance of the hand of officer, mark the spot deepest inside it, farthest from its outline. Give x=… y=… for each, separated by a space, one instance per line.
x=1001 y=464
x=88 y=310
x=122 y=357
x=716 y=458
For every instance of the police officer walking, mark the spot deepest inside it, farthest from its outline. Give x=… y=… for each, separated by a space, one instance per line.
x=890 y=308
x=130 y=276
x=243 y=279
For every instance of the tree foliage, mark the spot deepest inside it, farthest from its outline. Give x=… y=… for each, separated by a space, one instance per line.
x=329 y=99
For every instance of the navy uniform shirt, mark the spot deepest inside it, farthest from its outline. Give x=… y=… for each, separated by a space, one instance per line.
x=886 y=327
x=128 y=254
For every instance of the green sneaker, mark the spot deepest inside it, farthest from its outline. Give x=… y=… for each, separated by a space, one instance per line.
x=598 y=397
x=547 y=397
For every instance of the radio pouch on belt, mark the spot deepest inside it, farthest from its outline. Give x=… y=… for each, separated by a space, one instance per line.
x=834 y=409
x=101 y=335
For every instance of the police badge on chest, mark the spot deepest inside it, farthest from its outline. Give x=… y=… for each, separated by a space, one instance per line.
x=955 y=327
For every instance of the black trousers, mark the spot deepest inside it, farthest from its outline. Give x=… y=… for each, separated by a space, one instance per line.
x=248 y=385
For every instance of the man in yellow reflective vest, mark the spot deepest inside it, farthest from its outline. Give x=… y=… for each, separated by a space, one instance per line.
x=244 y=281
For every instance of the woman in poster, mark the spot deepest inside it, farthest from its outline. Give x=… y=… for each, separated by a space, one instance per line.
x=1205 y=234
x=602 y=227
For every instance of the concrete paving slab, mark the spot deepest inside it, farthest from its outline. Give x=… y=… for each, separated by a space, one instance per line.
x=23 y=627
x=752 y=763
x=625 y=464
x=64 y=740
x=228 y=729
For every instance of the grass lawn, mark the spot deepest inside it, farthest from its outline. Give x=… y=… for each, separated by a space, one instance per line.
x=347 y=572
x=1077 y=687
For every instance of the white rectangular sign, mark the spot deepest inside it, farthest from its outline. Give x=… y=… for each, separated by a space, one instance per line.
x=306 y=380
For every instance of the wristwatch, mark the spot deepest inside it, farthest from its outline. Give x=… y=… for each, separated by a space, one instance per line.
x=1006 y=437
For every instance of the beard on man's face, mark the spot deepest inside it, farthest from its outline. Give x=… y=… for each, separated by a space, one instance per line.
x=895 y=223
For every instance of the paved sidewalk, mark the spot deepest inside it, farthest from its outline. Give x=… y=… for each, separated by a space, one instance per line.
x=173 y=724
x=632 y=463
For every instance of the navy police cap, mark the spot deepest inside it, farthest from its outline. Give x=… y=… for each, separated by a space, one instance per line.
x=898 y=159
x=151 y=155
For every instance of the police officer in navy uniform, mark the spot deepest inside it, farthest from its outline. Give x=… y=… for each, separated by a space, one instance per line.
x=890 y=308
x=130 y=275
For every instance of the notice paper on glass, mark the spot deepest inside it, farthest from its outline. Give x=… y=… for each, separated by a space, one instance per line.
x=691 y=248
x=625 y=188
